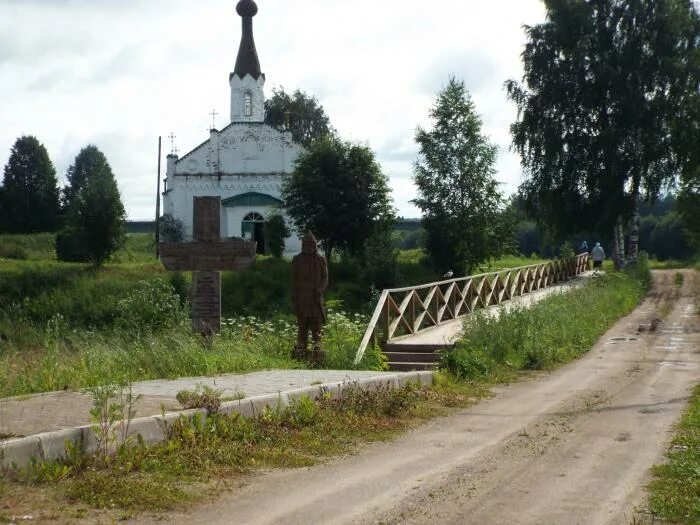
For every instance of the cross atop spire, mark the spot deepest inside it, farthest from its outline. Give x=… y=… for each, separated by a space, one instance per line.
x=247 y=62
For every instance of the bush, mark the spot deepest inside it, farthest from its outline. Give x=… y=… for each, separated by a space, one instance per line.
x=466 y=364
x=171 y=229
x=380 y=264
x=71 y=246
x=152 y=304
x=566 y=250
x=203 y=396
x=180 y=286
x=276 y=232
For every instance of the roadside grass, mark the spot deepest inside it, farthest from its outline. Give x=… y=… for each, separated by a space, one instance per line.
x=678 y=279
x=58 y=357
x=675 y=489
x=548 y=333
x=202 y=457
x=674 y=492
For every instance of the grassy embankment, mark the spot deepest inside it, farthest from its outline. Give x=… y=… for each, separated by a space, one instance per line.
x=553 y=331
x=198 y=460
x=70 y=326
x=674 y=493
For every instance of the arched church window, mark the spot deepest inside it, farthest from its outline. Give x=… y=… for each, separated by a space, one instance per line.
x=248 y=104
x=253 y=229
x=254 y=217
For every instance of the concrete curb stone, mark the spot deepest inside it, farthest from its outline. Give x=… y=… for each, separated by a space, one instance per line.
x=53 y=444
x=18 y=452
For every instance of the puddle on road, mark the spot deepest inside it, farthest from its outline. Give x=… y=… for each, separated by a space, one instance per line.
x=649 y=410
x=615 y=340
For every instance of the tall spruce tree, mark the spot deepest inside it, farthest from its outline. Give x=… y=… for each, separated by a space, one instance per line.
x=94 y=212
x=605 y=115
x=29 y=201
x=458 y=194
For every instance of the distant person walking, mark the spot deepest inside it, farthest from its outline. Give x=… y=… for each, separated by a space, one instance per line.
x=583 y=247
x=598 y=255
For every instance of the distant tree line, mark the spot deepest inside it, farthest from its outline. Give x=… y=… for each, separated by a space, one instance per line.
x=663 y=233
x=87 y=214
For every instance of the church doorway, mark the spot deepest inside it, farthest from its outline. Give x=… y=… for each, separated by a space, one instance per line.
x=253 y=229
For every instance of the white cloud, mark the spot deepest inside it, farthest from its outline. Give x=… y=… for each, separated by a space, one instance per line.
x=118 y=74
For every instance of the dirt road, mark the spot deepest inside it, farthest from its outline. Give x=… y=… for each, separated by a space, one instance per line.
x=569 y=447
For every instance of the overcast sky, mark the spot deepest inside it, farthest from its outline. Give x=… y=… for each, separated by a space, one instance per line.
x=119 y=73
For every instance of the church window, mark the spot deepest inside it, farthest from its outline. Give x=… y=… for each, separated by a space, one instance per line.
x=254 y=217
x=253 y=229
x=248 y=105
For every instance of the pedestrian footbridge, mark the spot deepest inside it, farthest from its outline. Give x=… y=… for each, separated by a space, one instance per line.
x=414 y=323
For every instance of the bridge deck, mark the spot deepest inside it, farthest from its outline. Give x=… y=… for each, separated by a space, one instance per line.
x=448 y=333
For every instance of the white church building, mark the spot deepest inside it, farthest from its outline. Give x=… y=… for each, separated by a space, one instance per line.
x=244 y=163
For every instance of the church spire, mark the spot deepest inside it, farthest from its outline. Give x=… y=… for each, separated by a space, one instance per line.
x=247 y=62
x=246 y=81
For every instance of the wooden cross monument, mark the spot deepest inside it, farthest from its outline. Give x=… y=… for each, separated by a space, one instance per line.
x=205 y=257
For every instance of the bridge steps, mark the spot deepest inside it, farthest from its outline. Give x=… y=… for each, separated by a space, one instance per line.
x=407 y=357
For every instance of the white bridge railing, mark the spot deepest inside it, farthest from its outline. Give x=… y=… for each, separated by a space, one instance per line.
x=410 y=310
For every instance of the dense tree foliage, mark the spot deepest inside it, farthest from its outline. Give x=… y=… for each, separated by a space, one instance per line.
x=94 y=211
x=29 y=201
x=669 y=239
x=338 y=191
x=300 y=113
x=458 y=193
x=276 y=231
x=608 y=109
x=689 y=209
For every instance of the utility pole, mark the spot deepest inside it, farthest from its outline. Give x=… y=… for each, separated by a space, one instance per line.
x=158 y=204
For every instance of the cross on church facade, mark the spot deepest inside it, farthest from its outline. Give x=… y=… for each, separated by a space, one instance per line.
x=205 y=257
x=172 y=138
x=213 y=118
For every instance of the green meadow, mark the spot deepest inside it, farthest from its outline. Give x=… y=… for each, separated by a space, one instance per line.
x=70 y=326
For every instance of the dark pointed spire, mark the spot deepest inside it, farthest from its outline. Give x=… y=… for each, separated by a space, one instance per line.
x=247 y=62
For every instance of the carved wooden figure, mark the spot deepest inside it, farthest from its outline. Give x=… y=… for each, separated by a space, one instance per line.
x=309 y=282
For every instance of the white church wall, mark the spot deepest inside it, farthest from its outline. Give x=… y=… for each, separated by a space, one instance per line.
x=241 y=149
x=178 y=201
